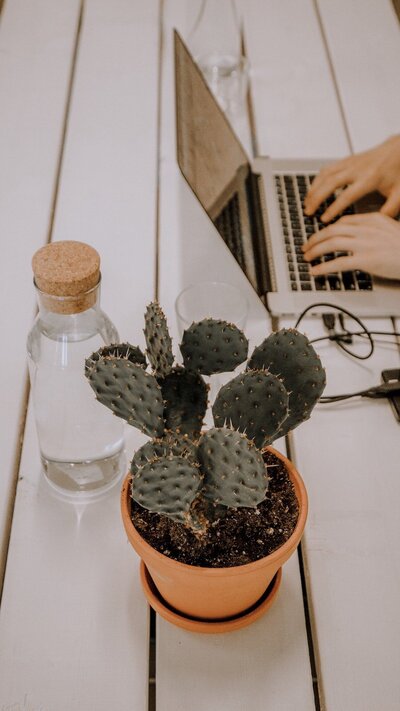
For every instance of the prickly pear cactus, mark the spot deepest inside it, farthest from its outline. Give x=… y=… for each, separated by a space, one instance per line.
x=185 y=398
x=117 y=350
x=129 y=392
x=194 y=478
x=234 y=469
x=167 y=486
x=171 y=444
x=256 y=403
x=289 y=355
x=211 y=346
x=158 y=340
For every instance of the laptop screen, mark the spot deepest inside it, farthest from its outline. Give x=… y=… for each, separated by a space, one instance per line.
x=213 y=160
x=209 y=154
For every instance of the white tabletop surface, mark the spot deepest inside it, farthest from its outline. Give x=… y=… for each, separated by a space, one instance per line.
x=87 y=152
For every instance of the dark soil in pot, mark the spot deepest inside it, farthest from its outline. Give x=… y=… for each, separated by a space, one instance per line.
x=242 y=536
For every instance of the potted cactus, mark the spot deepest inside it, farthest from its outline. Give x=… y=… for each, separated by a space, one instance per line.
x=213 y=513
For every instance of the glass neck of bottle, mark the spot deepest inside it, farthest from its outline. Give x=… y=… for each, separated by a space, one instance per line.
x=73 y=317
x=216 y=32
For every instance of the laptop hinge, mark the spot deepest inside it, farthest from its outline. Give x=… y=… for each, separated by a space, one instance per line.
x=264 y=268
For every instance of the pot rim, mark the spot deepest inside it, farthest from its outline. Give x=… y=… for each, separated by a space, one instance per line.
x=302 y=498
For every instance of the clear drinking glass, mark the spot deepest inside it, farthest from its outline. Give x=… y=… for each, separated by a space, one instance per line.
x=81 y=442
x=211 y=299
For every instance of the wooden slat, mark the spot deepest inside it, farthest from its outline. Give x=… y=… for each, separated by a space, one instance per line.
x=312 y=125
x=108 y=195
x=295 y=104
x=349 y=455
x=74 y=623
x=223 y=672
x=364 y=43
x=260 y=666
x=352 y=475
x=36 y=48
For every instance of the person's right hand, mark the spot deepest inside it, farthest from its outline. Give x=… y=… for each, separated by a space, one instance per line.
x=369 y=241
x=376 y=169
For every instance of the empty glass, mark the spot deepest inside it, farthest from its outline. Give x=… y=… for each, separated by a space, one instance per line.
x=211 y=299
x=217 y=300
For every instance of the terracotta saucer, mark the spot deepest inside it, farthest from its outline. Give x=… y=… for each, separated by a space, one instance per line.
x=194 y=624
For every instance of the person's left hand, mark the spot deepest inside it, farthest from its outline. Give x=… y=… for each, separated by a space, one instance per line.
x=372 y=241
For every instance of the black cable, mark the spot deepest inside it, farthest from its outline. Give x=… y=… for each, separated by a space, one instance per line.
x=338 y=341
x=338 y=336
x=346 y=336
x=379 y=391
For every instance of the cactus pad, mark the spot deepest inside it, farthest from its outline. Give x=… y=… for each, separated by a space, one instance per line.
x=289 y=355
x=170 y=444
x=158 y=340
x=117 y=350
x=234 y=469
x=129 y=392
x=213 y=347
x=185 y=398
x=167 y=486
x=256 y=403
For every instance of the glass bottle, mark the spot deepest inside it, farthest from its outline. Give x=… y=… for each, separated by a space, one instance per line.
x=81 y=443
x=215 y=42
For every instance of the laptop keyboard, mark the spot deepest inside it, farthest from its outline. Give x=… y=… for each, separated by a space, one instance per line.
x=298 y=228
x=228 y=224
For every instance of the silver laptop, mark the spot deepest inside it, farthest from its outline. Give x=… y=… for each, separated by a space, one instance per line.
x=256 y=207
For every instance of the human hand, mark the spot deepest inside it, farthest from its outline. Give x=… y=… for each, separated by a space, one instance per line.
x=372 y=241
x=376 y=169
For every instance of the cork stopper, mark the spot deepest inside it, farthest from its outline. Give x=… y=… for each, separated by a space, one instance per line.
x=67 y=273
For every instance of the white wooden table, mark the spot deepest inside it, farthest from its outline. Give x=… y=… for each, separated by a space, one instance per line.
x=87 y=151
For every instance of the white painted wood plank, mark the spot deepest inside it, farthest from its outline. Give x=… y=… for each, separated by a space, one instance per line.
x=354 y=441
x=349 y=455
x=352 y=475
x=339 y=615
x=74 y=623
x=257 y=667
x=344 y=627
x=364 y=42
x=36 y=47
x=109 y=174
x=295 y=105
x=205 y=669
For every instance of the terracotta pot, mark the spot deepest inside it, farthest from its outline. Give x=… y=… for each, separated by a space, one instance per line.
x=214 y=593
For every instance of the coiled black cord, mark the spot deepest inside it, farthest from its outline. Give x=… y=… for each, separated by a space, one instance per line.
x=342 y=340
